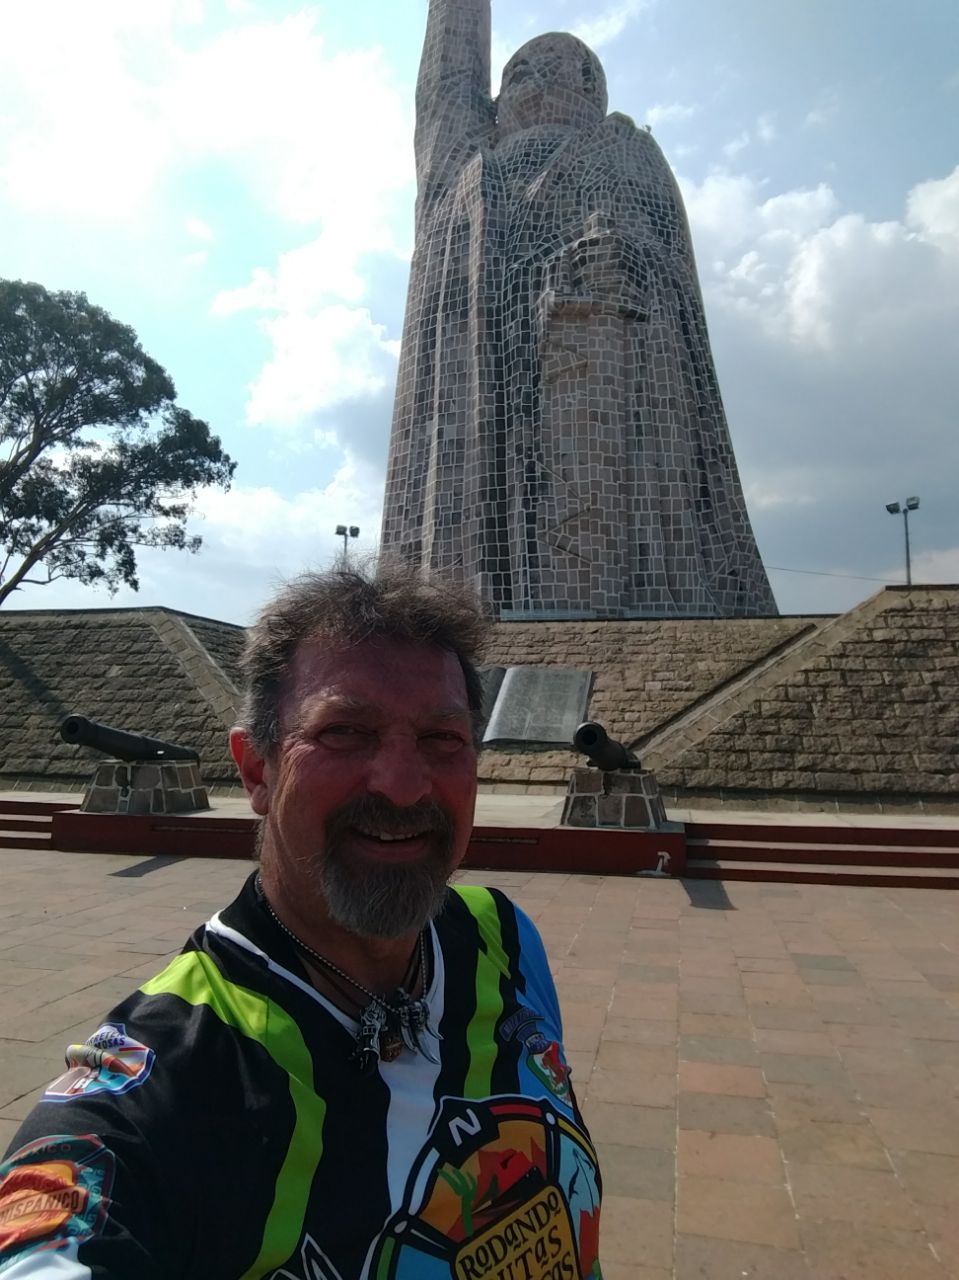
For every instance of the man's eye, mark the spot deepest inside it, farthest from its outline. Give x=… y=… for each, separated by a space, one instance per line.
x=446 y=742
x=343 y=735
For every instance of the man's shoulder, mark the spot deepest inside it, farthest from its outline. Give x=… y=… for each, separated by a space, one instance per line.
x=502 y=927
x=483 y=902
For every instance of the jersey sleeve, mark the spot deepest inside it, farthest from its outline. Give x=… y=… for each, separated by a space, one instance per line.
x=87 y=1188
x=534 y=966
x=540 y=990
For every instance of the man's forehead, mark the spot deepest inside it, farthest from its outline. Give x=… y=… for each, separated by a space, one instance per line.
x=375 y=670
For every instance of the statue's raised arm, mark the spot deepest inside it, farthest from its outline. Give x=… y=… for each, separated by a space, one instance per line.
x=454 y=105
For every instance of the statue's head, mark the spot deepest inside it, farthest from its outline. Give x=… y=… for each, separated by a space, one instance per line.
x=554 y=79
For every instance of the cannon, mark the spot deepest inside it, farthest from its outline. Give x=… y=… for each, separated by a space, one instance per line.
x=82 y=732
x=602 y=751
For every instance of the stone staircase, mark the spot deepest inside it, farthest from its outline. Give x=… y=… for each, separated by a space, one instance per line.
x=906 y=857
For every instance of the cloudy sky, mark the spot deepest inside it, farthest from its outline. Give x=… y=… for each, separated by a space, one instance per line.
x=234 y=180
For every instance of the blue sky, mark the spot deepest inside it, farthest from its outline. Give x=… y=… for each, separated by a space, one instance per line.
x=234 y=180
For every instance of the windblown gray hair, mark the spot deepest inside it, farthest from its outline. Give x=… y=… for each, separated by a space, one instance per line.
x=344 y=606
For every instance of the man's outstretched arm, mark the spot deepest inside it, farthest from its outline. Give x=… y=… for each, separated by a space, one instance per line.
x=454 y=108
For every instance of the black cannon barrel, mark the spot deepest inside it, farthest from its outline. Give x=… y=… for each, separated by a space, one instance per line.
x=83 y=732
x=603 y=751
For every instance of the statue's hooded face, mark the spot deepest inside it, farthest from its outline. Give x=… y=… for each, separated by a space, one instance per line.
x=554 y=79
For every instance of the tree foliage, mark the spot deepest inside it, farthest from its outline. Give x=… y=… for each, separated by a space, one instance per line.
x=96 y=457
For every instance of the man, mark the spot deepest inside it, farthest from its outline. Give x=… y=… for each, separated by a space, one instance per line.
x=351 y=1071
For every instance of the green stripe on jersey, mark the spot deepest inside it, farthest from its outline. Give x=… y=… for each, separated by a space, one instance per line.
x=481 y=1033
x=195 y=978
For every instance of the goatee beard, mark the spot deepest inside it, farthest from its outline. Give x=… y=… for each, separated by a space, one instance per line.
x=379 y=900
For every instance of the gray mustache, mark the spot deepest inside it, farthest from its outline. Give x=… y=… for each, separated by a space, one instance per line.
x=372 y=811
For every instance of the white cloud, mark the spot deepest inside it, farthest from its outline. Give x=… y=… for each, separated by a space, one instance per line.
x=786 y=487
x=933 y=210
x=603 y=28
x=265 y=527
x=317 y=138
x=799 y=212
x=65 y=77
x=312 y=134
x=723 y=210
x=253 y=538
x=668 y=113
x=318 y=361
x=740 y=143
x=326 y=349
x=936 y=566
x=836 y=345
x=822 y=278
x=200 y=230
x=324 y=268
x=766 y=130
x=321 y=136
x=823 y=113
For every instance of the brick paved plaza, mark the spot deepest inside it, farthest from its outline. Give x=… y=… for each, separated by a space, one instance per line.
x=771 y=1072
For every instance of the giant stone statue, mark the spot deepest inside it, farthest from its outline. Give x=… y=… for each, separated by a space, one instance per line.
x=558 y=438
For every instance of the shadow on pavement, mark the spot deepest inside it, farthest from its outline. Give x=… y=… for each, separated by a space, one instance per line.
x=146 y=866
x=709 y=895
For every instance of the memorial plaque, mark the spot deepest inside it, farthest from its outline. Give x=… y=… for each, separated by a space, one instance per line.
x=541 y=705
x=492 y=679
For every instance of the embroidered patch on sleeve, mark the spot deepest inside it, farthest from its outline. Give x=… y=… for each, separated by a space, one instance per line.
x=109 y=1062
x=52 y=1191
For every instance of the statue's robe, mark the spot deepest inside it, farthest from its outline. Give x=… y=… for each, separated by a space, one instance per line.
x=559 y=439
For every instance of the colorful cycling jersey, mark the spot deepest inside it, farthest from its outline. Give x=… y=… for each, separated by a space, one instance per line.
x=217 y=1125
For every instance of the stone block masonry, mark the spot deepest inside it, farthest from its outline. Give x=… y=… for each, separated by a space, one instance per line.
x=559 y=438
x=628 y=799
x=145 y=787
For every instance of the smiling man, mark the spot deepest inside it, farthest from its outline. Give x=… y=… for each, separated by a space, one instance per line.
x=353 y=1072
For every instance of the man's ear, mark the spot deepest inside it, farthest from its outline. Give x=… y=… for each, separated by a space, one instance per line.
x=252 y=767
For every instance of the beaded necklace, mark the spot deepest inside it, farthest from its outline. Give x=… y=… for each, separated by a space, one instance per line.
x=386 y=1026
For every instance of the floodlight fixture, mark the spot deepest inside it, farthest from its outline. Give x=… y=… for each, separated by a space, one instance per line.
x=346 y=532
x=903 y=509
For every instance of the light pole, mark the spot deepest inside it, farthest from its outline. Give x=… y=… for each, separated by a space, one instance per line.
x=346 y=532
x=894 y=508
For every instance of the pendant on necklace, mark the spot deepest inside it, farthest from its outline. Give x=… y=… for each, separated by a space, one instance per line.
x=391 y=1045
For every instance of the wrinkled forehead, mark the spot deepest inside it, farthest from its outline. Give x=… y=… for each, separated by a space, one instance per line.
x=377 y=673
x=561 y=47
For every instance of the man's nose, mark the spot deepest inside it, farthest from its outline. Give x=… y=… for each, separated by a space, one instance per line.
x=399 y=773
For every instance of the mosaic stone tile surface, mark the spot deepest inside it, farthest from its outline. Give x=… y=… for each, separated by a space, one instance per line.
x=559 y=438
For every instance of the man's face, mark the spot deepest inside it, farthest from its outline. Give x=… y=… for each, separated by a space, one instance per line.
x=368 y=798
x=544 y=83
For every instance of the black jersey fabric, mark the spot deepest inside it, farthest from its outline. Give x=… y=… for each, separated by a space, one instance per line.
x=217 y=1125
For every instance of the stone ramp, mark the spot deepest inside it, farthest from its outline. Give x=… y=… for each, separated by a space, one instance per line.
x=860 y=712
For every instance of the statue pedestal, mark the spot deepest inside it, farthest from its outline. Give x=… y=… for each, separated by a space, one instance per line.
x=145 y=786
x=629 y=799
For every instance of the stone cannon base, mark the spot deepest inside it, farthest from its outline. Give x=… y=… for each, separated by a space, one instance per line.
x=627 y=798
x=145 y=786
